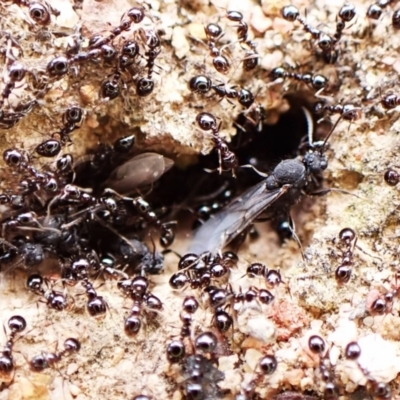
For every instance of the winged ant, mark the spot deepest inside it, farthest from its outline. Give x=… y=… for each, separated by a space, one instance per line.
x=275 y=195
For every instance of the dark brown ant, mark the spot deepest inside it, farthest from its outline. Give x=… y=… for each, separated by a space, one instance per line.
x=96 y=305
x=251 y=57
x=145 y=85
x=220 y=62
x=60 y=66
x=138 y=291
x=228 y=160
x=348 y=111
x=134 y=15
x=72 y=118
x=325 y=42
x=16 y=324
x=378 y=390
x=272 y=277
x=16 y=73
x=267 y=365
x=55 y=300
x=318 y=82
x=203 y=84
x=49 y=360
x=176 y=349
x=317 y=346
x=348 y=238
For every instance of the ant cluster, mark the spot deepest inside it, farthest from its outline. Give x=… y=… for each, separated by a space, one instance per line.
x=73 y=220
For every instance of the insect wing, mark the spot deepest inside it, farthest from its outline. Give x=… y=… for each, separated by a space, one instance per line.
x=141 y=170
x=224 y=226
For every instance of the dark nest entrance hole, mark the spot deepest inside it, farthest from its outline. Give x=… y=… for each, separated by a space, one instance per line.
x=193 y=194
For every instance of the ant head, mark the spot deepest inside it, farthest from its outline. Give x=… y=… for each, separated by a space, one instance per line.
x=315 y=161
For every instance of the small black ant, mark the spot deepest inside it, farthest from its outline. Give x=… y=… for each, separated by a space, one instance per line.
x=250 y=60
x=46 y=360
x=137 y=289
x=349 y=239
x=318 y=82
x=134 y=15
x=203 y=84
x=348 y=111
x=16 y=73
x=16 y=324
x=325 y=42
x=56 y=300
x=228 y=160
x=176 y=350
x=378 y=390
x=220 y=62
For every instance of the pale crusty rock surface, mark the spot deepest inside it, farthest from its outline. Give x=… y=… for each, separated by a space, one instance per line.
x=112 y=366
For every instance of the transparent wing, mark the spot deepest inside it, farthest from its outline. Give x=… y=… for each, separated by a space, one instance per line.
x=224 y=226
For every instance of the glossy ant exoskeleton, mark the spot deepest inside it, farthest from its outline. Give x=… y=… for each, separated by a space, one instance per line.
x=227 y=159
x=349 y=239
x=16 y=73
x=348 y=111
x=390 y=101
x=145 y=85
x=392 y=177
x=167 y=235
x=272 y=277
x=200 y=375
x=79 y=270
x=203 y=84
x=134 y=15
x=220 y=62
x=46 y=360
x=378 y=390
x=317 y=81
x=137 y=289
x=60 y=66
x=325 y=42
x=176 y=350
x=56 y=300
x=317 y=346
x=16 y=324
x=250 y=60
x=72 y=119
